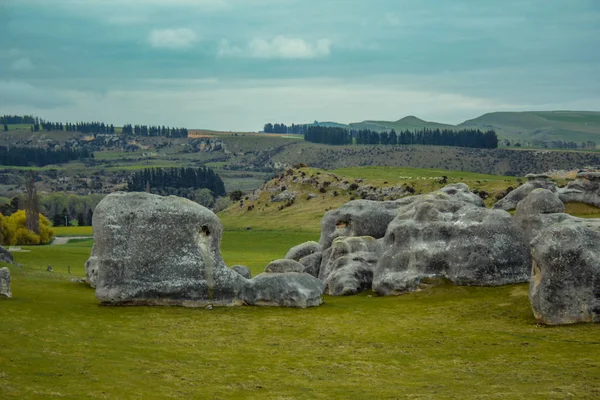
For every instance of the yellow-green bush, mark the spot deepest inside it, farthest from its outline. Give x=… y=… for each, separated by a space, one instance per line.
x=15 y=232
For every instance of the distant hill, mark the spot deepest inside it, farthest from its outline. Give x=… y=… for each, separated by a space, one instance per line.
x=576 y=126
x=568 y=126
x=407 y=123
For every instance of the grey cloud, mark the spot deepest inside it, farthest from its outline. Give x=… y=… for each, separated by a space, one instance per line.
x=15 y=93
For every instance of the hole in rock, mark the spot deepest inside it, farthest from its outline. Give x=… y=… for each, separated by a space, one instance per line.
x=205 y=230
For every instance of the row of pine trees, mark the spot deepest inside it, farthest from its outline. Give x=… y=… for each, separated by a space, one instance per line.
x=168 y=180
x=32 y=156
x=474 y=138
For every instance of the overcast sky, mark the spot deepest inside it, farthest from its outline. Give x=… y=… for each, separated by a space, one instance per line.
x=236 y=64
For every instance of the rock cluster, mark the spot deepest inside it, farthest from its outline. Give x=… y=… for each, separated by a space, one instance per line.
x=534 y=181
x=393 y=246
x=5 y=282
x=153 y=250
x=585 y=189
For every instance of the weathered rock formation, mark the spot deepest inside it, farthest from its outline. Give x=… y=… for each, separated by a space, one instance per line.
x=283 y=266
x=242 y=270
x=586 y=189
x=284 y=290
x=534 y=181
x=347 y=266
x=302 y=250
x=312 y=263
x=565 y=283
x=437 y=236
x=538 y=210
x=358 y=218
x=5 y=283
x=153 y=250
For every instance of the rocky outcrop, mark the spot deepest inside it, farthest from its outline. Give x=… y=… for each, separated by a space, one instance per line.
x=242 y=270
x=565 y=283
x=153 y=250
x=312 y=264
x=284 y=197
x=586 y=189
x=284 y=290
x=283 y=266
x=437 y=236
x=358 y=218
x=303 y=250
x=534 y=181
x=347 y=266
x=5 y=283
x=538 y=210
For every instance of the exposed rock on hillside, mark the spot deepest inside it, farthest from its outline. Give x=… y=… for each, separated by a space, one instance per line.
x=6 y=256
x=533 y=182
x=437 y=237
x=166 y=251
x=538 y=210
x=565 y=283
x=5 y=283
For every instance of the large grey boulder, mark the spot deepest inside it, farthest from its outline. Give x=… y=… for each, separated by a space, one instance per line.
x=303 y=250
x=242 y=270
x=538 y=210
x=565 y=282
x=5 y=283
x=534 y=181
x=437 y=236
x=312 y=264
x=159 y=251
x=357 y=218
x=371 y=218
x=347 y=266
x=283 y=266
x=585 y=189
x=297 y=290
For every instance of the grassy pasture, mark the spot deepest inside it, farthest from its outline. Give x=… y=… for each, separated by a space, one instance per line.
x=61 y=231
x=446 y=343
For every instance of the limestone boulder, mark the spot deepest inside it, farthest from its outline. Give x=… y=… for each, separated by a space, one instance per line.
x=371 y=218
x=283 y=266
x=312 y=264
x=297 y=290
x=159 y=251
x=347 y=266
x=538 y=210
x=357 y=218
x=5 y=283
x=565 y=283
x=242 y=270
x=302 y=250
x=534 y=181
x=440 y=237
x=585 y=189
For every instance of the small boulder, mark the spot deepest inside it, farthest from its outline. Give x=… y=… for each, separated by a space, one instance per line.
x=283 y=266
x=302 y=250
x=312 y=264
x=285 y=197
x=5 y=283
x=6 y=256
x=297 y=290
x=565 y=282
x=243 y=271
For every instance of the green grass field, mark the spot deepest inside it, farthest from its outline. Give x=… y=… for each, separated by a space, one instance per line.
x=61 y=231
x=445 y=343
